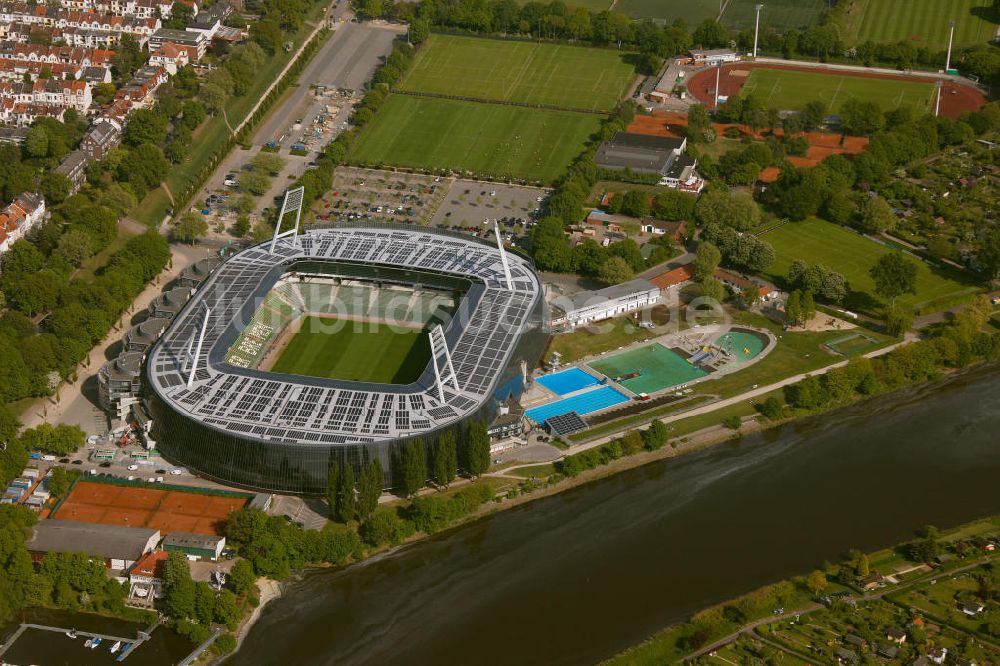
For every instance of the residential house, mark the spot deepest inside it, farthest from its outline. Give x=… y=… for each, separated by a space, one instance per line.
x=845 y=656
x=74 y=167
x=196 y=43
x=104 y=134
x=146 y=576
x=19 y=217
x=896 y=635
x=170 y=57
x=673 y=230
x=971 y=608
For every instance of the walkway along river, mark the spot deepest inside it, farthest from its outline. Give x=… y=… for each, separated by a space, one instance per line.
x=577 y=577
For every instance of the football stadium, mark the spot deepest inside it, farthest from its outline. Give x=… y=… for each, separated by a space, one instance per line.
x=336 y=346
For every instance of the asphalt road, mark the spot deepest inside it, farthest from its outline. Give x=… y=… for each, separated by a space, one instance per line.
x=346 y=60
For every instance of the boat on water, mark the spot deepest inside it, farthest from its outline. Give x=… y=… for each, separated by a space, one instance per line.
x=114 y=648
x=124 y=652
x=71 y=633
x=97 y=641
x=89 y=643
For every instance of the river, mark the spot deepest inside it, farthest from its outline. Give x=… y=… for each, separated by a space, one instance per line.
x=577 y=577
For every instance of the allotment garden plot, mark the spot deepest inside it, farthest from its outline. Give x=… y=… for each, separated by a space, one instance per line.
x=486 y=139
x=523 y=72
x=817 y=242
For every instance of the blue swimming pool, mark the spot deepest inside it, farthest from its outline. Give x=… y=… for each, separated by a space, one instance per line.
x=585 y=403
x=567 y=381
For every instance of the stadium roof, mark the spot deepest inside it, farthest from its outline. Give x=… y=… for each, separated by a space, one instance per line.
x=311 y=410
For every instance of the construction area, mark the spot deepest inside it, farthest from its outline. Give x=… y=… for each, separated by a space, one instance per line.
x=165 y=508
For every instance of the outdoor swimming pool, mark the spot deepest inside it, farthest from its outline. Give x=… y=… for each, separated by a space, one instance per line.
x=585 y=403
x=658 y=368
x=567 y=381
x=743 y=345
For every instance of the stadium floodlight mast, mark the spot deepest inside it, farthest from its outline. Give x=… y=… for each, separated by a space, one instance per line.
x=197 y=349
x=951 y=39
x=756 y=28
x=439 y=348
x=718 y=69
x=503 y=256
x=291 y=204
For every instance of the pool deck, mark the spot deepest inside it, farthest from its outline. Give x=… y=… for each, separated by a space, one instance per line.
x=688 y=339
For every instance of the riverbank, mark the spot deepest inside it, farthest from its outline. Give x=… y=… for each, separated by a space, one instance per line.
x=858 y=592
x=583 y=574
x=268 y=590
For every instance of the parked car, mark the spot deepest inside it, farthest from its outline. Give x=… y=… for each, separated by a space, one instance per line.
x=64 y=460
x=133 y=467
x=176 y=472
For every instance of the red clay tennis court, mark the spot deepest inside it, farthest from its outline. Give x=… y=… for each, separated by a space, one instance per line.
x=140 y=506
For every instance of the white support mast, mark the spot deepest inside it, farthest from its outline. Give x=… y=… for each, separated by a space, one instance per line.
x=951 y=39
x=444 y=371
x=503 y=255
x=756 y=30
x=291 y=204
x=197 y=350
x=718 y=69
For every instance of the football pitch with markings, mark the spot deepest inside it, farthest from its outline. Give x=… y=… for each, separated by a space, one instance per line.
x=791 y=90
x=530 y=73
x=921 y=22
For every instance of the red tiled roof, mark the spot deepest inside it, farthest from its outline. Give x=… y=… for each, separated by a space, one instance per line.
x=674 y=277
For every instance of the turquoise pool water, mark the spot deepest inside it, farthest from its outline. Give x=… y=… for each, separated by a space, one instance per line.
x=567 y=381
x=744 y=346
x=585 y=403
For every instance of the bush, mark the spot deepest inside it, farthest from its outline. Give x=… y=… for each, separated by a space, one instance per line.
x=385 y=527
x=224 y=644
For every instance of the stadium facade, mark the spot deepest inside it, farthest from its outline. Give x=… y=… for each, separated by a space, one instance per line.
x=281 y=433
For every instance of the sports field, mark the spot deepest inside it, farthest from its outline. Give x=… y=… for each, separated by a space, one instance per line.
x=488 y=139
x=165 y=508
x=820 y=242
x=532 y=73
x=922 y=22
x=778 y=15
x=692 y=12
x=658 y=368
x=791 y=89
x=355 y=351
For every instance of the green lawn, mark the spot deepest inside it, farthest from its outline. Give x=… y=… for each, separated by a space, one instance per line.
x=922 y=22
x=778 y=15
x=787 y=89
x=382 y=356
x=819 y=242
x=692 y=12
x=532 y=73
x=485 y=139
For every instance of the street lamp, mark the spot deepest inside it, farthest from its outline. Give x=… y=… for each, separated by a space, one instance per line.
x=756 y=29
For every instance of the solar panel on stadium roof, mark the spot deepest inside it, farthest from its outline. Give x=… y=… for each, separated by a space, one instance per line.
x=565 y=424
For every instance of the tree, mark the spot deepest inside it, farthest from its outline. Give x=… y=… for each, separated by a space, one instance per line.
x=615 y=271
x=346 y=500
x=549 y=247
x=477 y=449
x=673 y=205
x=178 y=587
x=814 y=114
x=55 y=187
x=255 y=182
x=698 y=123
x=412 y=467
x=897 y=321
x=241 y=578
x=332 y=489
x=269 y=163
x=190 y=228
x=242 y=226
x=877 y=215
x=445 y=459
x=37 y=142
x=369 y=488
x=635 y=203
x=894 y=274
x=74 y=247
x=738 y=211
x=861 y=117
x=145 y=126
x=793 y=308
x=706 y=260
x=268 y=34
x=225 y=610
x=712 y=289
x=808 y=306
x=772 y=408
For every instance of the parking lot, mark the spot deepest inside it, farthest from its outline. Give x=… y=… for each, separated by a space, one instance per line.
x=387 y=196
